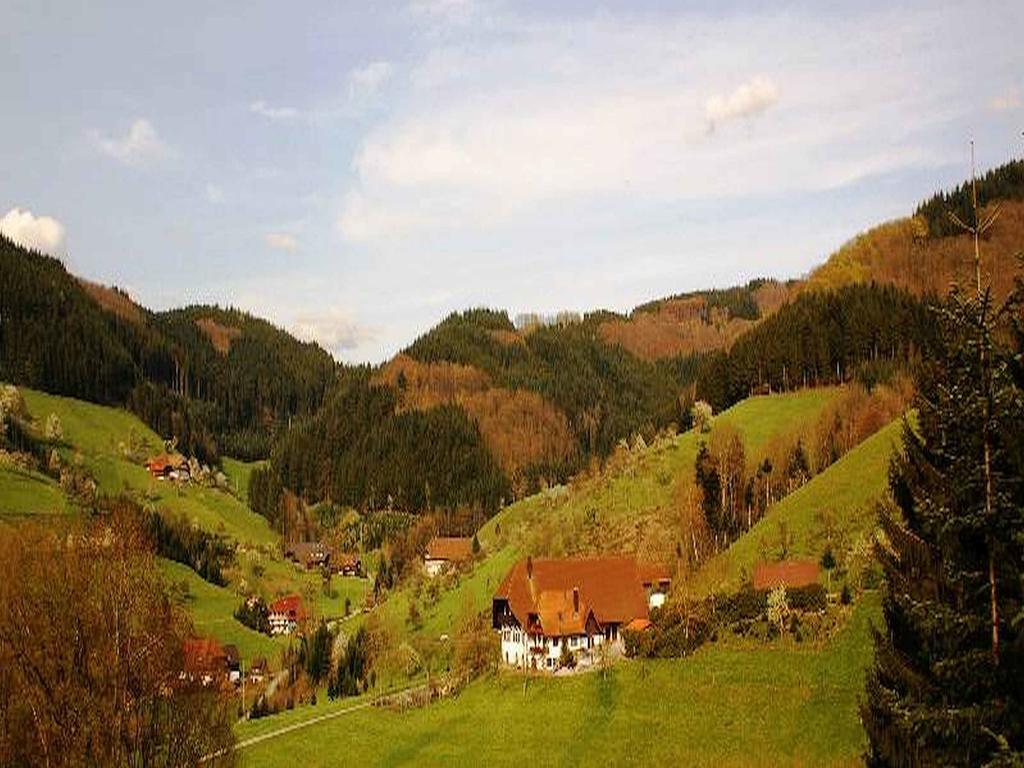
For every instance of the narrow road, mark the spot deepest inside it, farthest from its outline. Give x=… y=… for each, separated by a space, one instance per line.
x=318 y=719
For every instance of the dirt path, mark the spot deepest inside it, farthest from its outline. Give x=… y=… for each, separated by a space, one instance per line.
x=253 y=740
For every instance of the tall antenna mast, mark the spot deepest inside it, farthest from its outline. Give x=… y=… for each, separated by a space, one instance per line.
x=979 y=226
x=974 y=208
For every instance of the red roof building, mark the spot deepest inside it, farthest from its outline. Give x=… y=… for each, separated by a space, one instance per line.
x=442 y=551
x=285 y=614
x=205 y=660
x=788 y=573
x=542 y=605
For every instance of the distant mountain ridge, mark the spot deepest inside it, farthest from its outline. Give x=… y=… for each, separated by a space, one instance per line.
x=514 y=407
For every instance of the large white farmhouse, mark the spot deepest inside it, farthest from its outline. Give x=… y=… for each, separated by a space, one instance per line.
x=544 y=606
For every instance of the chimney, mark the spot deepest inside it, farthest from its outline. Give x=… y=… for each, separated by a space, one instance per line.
x=576 y=601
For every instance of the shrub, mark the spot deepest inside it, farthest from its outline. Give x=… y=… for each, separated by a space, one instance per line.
x=254 y=614
x=778 y=608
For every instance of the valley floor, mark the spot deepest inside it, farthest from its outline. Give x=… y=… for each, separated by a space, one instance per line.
x=729 y=704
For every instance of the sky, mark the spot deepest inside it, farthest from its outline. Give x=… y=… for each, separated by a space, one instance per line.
x=354 y=172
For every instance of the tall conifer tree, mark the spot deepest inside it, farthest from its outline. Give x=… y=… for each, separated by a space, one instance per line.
x=947 y=687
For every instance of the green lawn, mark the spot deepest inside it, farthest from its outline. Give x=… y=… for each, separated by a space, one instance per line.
x=731 y=704
x=212 y=610
x=238 y=473
x=24 y=492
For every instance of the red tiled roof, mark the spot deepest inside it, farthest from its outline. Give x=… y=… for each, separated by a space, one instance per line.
x=165 y=461
x=203 y=654
x=449 y=548
x=788 y=573
x=609 y=587
x=289 y=606
x=560 y=613
x=654 y=573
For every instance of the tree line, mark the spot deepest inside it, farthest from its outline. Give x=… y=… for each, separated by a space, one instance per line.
x=359 y=451
x=822 y=337
x=1003 y=183
x=605 y=392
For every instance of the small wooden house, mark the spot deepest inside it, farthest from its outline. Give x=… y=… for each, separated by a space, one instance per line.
x=285 y=614
x=169 y=466
x=444 y=552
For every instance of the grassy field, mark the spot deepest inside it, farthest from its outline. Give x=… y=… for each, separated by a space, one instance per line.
x=212 y=610
x=639 y=483
x=238 y=473
x=730 y=704
x=111 y=444
x=24 y=492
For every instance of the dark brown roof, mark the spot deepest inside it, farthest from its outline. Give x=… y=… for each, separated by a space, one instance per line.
x=788 y=573
x=610 y=587
x=449 y=548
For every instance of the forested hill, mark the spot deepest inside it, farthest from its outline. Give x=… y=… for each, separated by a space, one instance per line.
x=218 y=380
x=481 y=409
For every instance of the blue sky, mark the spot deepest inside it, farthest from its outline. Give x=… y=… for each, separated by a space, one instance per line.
x=354 y=172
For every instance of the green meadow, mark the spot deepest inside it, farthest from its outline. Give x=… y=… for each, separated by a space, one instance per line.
x=24 y=492
x=729 y=704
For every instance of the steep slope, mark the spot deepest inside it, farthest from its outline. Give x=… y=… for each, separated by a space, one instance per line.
x=836 y=507
x=629 y=506
x=216 y=379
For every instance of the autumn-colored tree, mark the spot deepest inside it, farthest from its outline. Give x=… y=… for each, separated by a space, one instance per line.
x=91 y=654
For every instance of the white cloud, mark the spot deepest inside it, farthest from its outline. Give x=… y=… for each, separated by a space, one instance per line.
x=214 y=194
x=530 y=116
x=263 y=109
x=335 y=330
x=747 y=100
x=365 y=82
x=140 y=146
x=282 y=241
x=451 y=10
x=37 y=233
x=1008 y=100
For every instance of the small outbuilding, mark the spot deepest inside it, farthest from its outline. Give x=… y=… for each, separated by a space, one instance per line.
x=787 y=573
x=444 y=552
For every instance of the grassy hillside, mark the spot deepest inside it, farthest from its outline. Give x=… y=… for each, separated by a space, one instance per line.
x=112 y=443
x=838 y=502
x=212 y=611
x=627 y=507
x=24 y=492
x=730 y=704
